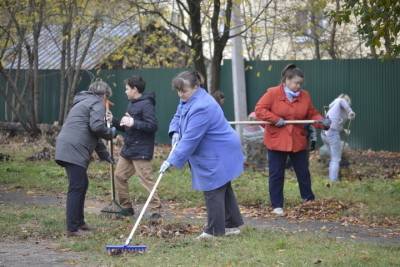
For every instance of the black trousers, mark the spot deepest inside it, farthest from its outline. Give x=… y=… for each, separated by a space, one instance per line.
x=77 y=188
x=222 y=210
x=277 y=163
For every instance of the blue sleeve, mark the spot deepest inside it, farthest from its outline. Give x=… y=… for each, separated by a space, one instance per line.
x=198 y=124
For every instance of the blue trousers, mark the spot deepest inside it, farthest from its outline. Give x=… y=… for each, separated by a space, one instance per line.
x=276 y=164
x=77 y=188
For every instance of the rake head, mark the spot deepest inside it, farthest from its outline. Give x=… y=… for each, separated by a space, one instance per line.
x=113 y=250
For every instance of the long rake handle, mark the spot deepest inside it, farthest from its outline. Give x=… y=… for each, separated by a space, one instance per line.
x=128 y=240
x=111 y=149
x=267 y=122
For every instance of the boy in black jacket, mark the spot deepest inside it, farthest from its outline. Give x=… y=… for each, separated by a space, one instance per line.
x=140 y=126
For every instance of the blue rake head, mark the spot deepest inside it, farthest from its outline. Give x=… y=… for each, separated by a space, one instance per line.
x=117 y=249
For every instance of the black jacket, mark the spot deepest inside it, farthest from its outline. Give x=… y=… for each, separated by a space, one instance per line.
x=139 y=139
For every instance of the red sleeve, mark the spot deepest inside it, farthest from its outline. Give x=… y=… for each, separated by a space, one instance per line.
x=263 y=108
x=313 y=114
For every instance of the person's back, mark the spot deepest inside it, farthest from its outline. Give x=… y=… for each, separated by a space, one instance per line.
x=339 y=112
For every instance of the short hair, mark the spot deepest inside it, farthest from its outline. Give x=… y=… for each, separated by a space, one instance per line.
x=136 y=81
x=187 y=79
x=345 y=97
x=99 y=87
x=291 y=71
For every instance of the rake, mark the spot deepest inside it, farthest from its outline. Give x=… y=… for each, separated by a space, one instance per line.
x=118 y=249
x=114 y=208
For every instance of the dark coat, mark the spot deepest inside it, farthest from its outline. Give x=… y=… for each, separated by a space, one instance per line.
x=82 y=130
x=139 y=139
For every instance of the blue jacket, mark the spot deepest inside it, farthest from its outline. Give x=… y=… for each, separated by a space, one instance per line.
x=208 y=143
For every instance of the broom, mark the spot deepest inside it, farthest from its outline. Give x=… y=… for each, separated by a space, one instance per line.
x=118 y=249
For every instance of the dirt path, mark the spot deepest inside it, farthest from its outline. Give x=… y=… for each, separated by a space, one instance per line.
x=35 y=253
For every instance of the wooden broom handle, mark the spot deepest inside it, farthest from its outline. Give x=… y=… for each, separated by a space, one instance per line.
x=267 y=122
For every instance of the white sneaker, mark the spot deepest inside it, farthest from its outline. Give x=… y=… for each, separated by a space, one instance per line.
x=232 y=231
x=204 y=236
x=278 y=212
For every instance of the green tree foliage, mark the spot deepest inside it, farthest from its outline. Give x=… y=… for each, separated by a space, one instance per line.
x=379 y=24
x=153 y=47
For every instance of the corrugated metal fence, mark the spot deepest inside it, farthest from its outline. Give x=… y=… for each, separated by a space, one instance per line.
x=372 y=84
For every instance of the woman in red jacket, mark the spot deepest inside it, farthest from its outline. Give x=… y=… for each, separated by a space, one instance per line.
x=287 y=101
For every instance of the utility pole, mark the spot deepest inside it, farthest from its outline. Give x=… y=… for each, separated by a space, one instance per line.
x=239 y=85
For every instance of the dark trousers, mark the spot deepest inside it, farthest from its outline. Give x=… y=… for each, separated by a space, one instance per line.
x=222 y=210
x=276 y=164
x=78 y=185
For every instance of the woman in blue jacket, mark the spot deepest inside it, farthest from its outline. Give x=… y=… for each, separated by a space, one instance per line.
x=212 y=148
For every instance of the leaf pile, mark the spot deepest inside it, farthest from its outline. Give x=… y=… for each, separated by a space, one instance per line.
x=322 y=209
x=44 y=154
x=168 y=231
x=374 y=164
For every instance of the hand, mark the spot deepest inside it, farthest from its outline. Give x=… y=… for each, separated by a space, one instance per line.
x=312 y=145
x=113 y=132
x=326 y=123
x=351 y=115
x=127 y=120
x=346 y=132
x=109 y=117
x=164 y=167
x=280 y=123
x=175 y=139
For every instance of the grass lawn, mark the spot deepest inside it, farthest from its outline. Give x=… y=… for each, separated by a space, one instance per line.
x=251 y=248
x=375 y=199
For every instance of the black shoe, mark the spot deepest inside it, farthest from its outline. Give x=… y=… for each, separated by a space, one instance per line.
x=85 y=227
x=78 y=233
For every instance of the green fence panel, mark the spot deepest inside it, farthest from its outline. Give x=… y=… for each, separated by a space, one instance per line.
x=372 y=85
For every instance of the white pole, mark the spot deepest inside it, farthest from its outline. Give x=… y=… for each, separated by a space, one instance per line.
x=239 y=86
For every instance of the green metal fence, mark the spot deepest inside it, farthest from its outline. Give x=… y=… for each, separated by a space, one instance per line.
x=372 y=84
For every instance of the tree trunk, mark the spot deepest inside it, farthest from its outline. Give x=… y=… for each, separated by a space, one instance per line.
x=315 y=36
x=216 y=68
x=196 y=38
x=332 y=50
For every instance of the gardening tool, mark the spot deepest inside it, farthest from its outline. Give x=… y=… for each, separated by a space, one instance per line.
x=267 y=122
x=114 y=207
x=117 y=249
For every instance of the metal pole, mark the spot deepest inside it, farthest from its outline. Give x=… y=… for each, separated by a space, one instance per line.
x=238 y=76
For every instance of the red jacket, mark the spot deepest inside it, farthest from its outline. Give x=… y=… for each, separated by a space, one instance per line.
x=274 y=105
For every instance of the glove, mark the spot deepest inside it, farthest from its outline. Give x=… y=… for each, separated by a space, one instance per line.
x=127 y=120
x=109 y=117
x=312 y=145
x=164 y=167
x=326 y=123
x=110 y=159
x=352 y=115
x=113 y=132
x=175 y=139
x=346 y=132
x=280 y=123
